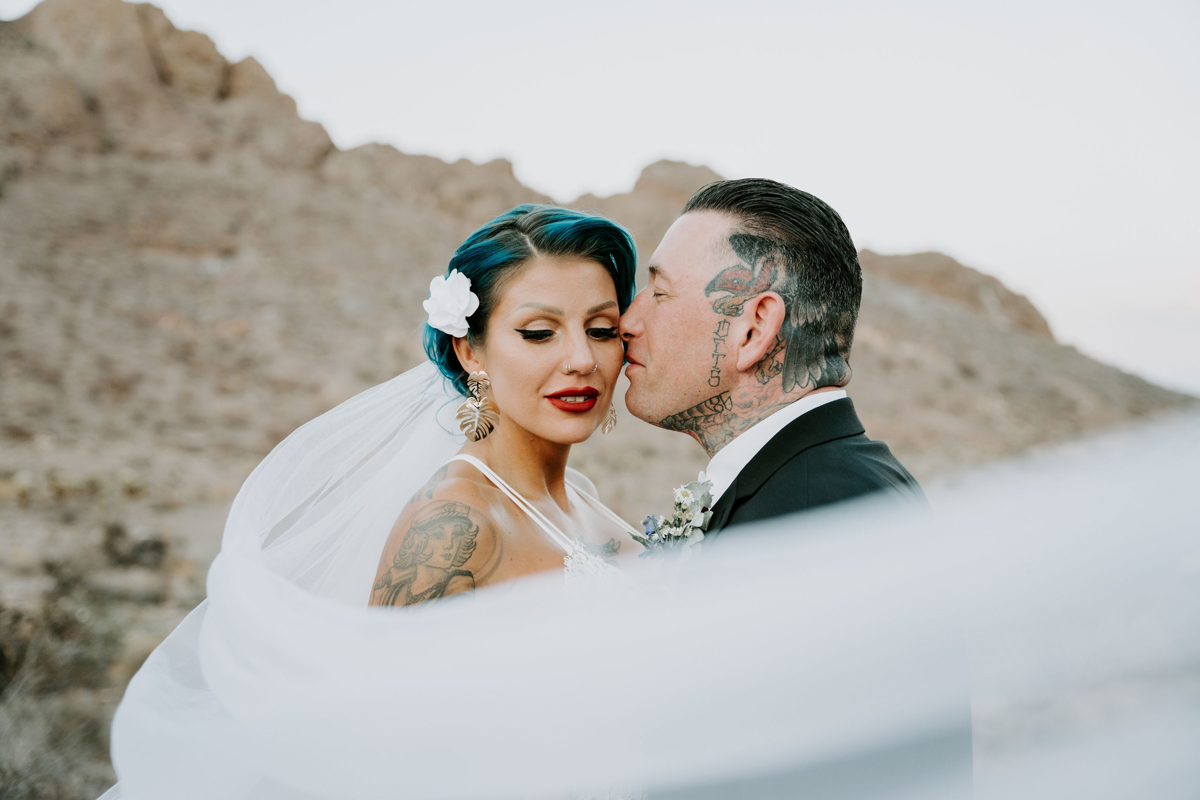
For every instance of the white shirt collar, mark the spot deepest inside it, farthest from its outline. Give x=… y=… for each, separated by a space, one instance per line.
x=731 y=459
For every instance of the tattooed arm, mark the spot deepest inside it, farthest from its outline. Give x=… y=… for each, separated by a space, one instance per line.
x=443 y=545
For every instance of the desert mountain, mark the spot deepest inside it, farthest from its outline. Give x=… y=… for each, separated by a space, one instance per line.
x=189 y=270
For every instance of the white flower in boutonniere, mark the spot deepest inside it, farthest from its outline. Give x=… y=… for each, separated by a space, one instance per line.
x=688 y=521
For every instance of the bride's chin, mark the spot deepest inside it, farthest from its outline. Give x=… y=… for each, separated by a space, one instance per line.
x=578 y=438
x=570 y=431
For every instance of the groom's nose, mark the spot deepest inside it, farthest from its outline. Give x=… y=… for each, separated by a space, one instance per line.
x=631 y=325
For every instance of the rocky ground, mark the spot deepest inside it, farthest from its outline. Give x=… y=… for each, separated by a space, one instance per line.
x=188 y=271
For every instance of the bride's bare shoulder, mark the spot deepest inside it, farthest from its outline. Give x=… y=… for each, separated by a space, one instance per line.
x=444 y=543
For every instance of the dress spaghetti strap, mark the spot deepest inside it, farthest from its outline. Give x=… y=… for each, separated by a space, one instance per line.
x=562 y=540
x=604 y=510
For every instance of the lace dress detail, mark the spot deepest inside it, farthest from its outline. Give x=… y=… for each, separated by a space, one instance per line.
x=579 y=563
x=583 y=563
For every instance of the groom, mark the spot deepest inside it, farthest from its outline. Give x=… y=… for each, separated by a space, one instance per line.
x=742 y=340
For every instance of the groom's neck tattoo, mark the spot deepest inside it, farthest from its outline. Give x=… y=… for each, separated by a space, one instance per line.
x=722 y=418
x=771 y=366
x=809 y=353
x=806 y=355
x=701 y=419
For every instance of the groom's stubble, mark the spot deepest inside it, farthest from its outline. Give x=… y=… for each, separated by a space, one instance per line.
x=684 y=330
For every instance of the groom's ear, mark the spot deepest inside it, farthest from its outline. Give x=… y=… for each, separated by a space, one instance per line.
x=763 y=318
x=468 y=355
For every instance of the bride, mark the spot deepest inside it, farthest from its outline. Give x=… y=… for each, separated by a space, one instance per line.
x=393 y=500
x=525 y=324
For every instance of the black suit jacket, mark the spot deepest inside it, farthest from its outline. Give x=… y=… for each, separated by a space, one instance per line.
x=821 y=457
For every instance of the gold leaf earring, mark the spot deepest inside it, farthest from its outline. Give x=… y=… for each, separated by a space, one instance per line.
x=477 y=417
x=610 y=421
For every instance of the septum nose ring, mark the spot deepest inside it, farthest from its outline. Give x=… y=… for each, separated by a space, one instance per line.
x=570 y=370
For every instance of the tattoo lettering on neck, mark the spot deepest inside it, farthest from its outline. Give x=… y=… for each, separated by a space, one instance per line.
x=719 y=336
x=810 y=354
x=429 y=562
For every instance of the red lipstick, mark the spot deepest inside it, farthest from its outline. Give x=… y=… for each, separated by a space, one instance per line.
x=574 y=399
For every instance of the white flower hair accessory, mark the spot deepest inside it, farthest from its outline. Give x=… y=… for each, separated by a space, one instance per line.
x=450 y=302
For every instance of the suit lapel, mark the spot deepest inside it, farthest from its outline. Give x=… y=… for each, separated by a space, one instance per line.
x=723 y=508
x=836 y=420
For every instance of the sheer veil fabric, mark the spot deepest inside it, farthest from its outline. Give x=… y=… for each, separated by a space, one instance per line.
x=1046 y=589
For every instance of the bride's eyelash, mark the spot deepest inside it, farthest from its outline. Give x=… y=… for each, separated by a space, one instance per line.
x=601 y=334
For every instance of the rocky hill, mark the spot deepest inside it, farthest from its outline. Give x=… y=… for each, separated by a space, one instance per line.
x=189 y=270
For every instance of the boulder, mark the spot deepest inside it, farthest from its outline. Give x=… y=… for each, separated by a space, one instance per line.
x=942 y=276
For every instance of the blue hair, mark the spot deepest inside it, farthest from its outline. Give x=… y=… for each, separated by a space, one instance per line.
x=494 y=252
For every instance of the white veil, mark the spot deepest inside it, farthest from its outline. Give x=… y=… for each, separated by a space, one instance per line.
x=1072 y=579
x=318 y=509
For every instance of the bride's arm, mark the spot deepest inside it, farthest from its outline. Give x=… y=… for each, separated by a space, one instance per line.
x=443 y=544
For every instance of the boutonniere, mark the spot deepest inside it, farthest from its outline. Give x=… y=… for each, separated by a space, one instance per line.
x=689 y=520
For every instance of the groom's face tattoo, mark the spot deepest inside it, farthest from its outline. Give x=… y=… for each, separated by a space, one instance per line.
x=713 y=270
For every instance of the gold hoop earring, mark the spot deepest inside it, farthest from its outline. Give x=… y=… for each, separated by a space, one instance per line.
x=477 y=417
x=610 y=421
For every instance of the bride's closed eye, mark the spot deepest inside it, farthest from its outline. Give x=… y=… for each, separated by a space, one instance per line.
x=541 y=335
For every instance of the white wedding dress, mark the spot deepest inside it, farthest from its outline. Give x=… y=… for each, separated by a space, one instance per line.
x=801 y=643
x=579 y=563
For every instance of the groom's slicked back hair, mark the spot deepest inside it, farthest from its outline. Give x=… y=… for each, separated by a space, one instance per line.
x=799 y=247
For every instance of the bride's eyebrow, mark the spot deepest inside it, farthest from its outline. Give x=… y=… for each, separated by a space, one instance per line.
x=559 y=312
x=540 y=307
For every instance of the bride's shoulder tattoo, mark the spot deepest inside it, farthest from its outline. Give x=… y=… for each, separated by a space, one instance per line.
x=610 y=548
x=434 y=555
x=426 y=492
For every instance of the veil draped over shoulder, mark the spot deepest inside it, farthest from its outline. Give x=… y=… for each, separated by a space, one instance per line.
x=1061 y=594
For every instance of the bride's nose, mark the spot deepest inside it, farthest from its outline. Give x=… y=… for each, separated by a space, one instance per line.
x=579 y=359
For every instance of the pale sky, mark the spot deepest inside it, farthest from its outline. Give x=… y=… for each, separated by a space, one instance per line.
x=1050 y=143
